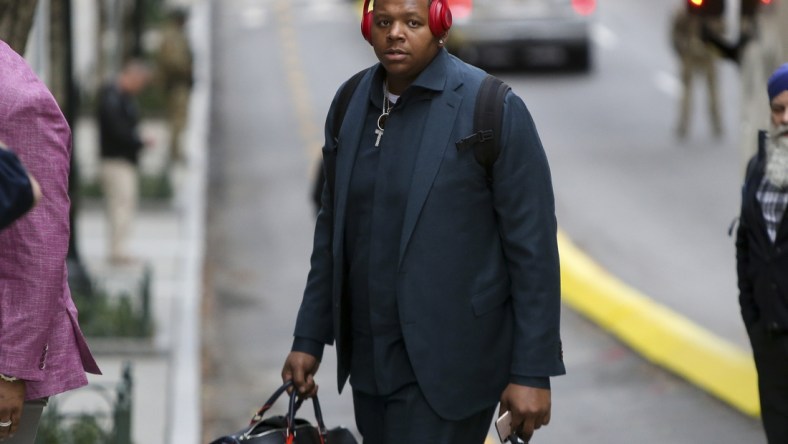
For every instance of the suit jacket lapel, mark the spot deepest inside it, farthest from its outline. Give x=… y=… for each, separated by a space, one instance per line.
x=440 y=123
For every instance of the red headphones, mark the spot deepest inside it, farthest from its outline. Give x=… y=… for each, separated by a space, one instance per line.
x=439 y=19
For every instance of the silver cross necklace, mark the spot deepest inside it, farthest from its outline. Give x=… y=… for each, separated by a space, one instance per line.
x=384 y=114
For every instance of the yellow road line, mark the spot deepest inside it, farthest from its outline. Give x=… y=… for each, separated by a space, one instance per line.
x=662 y=336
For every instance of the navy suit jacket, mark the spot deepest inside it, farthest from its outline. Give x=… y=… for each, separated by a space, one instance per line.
x=478 y=288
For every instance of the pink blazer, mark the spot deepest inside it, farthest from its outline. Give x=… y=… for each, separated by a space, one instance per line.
x=40 y=339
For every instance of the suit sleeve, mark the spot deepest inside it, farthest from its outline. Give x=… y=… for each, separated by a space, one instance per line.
x=525 y=209
x=314 y=325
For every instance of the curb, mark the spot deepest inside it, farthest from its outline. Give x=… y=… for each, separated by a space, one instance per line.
x=662 y=336
x=184 y=400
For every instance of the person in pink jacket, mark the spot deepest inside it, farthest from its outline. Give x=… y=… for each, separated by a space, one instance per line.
x=42 y=350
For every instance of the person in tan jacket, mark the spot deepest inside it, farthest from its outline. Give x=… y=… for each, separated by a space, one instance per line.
x=696 y=57
x=175 y=65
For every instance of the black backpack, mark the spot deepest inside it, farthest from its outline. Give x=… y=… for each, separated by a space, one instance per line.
x=487 y=123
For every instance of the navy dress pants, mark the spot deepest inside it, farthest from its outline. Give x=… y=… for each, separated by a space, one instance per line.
x=406 y=417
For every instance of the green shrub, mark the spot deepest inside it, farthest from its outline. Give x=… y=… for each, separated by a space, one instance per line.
x=100 y=318
x=150 y=187
x=84 y=428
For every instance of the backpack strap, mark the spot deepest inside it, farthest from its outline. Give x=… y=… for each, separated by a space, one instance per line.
x=488 y=119
x=345 y=94
x=487 y=123
x=343 y=100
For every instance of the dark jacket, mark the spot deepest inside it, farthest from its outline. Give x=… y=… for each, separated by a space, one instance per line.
x=118 y=119
x=477 y=283
x=762 y=266
x=16 y=192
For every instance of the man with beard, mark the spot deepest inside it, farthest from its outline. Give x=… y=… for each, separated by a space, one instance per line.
x=762 y=261
x=438 y=282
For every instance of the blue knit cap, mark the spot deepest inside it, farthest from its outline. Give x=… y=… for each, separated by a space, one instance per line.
x=778 y=82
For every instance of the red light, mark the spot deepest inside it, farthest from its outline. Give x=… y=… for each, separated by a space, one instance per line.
x=584 y=7
x=460 y=9
x=766 y=2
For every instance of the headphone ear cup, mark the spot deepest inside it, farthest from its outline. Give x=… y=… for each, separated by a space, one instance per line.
x=440 y=18
x=366 y=26
x=366 y=22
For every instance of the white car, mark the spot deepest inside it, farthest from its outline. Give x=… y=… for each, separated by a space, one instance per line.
x=513 y=33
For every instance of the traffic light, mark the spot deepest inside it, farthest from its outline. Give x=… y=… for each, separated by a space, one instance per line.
x=706 y=8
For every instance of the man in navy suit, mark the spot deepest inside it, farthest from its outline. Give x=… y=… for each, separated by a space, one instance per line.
x=440 y=288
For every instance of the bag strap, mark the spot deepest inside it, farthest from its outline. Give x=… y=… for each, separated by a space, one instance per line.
x=343 y=100
x=293 y=406
x=295 y=403
x=488 y=122
x=271 y=400
x=345 y=94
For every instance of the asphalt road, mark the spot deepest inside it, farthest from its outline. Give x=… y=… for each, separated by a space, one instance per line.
x=651 y=210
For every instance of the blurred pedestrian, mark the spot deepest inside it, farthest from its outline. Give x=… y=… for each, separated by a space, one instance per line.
x=440 y=288
x=121 y=143
x=42 y=350
x=761 y=47
x=19 y=191
x=175 y=65
x=696 y=58
x=762 y=261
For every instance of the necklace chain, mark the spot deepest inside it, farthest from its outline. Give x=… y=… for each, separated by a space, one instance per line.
x=386 y=101
x=385 y=109
x=384 y=113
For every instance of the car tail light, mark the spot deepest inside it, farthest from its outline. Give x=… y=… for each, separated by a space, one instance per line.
x=584 y=7
x=706 y=8
x=460 y=9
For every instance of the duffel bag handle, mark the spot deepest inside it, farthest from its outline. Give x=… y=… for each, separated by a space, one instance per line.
x=295 y=403
x=259 y=415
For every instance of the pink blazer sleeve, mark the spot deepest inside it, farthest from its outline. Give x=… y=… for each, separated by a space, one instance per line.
x=33 y=276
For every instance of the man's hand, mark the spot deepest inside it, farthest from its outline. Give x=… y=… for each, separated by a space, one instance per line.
x=12 y=398
x=530 y=408
x=301 y=368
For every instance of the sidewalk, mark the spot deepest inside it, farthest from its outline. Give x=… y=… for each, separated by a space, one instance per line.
x=159 y=243
x=167 y=237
